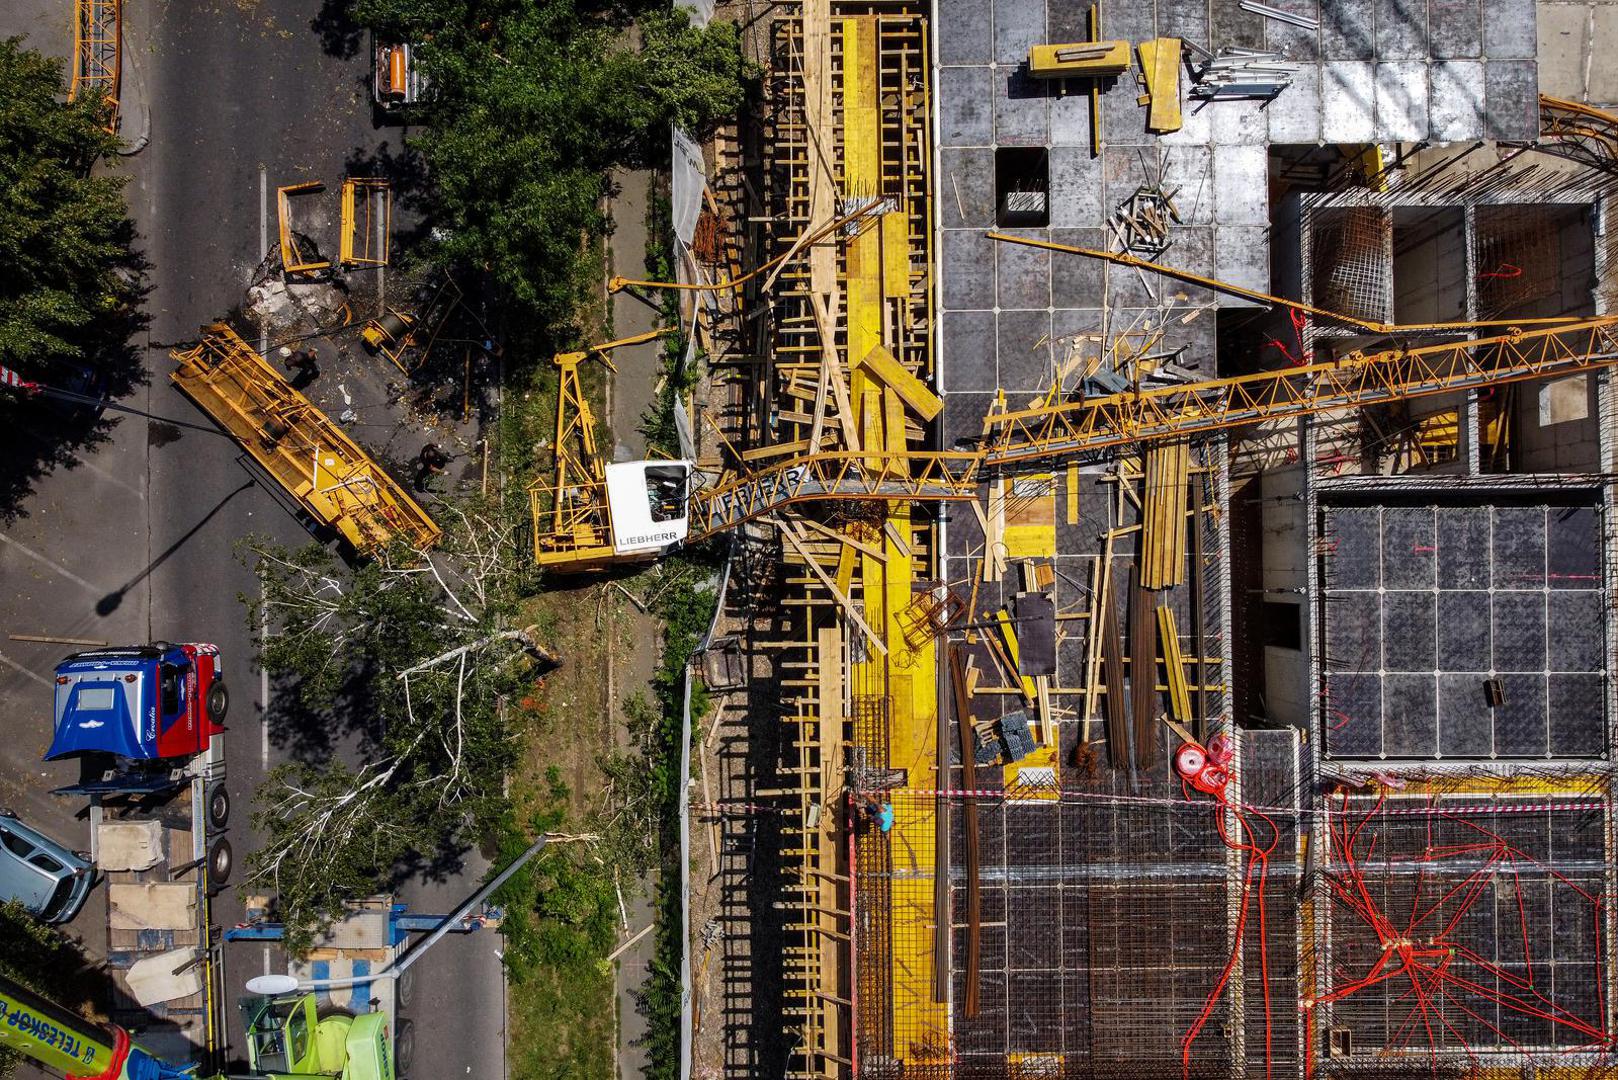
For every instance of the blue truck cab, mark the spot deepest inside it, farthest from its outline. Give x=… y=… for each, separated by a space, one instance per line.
x=145 y=706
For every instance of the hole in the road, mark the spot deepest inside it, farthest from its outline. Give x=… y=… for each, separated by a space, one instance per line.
x=161 y=434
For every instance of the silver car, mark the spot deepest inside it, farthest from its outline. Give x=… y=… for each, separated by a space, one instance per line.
x=48 y=879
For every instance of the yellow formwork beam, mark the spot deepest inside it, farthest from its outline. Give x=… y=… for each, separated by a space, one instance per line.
x=336 y=482
x=906 y=678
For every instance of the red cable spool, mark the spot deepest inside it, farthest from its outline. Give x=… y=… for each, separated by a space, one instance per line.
x=1205 y=768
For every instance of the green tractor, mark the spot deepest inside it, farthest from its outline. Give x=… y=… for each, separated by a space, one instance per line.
x=287 y=1036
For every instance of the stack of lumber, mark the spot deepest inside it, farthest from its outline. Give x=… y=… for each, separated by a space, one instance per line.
x=1163 y=553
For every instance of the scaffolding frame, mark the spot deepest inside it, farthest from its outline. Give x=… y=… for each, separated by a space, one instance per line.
x=298 y=256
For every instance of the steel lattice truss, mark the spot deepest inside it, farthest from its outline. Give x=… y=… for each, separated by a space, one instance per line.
x=96 y=33
x=1066 y=429
x=1578 y=133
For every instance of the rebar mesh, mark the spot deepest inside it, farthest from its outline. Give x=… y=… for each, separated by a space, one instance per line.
x=1519 y=256
x=1351 y=255
x=1432 y=606
x=1464 y=929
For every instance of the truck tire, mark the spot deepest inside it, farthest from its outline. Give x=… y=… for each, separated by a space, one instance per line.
x=221 y=860
x=405 y=988
x=218 y=806
x=404 y=1046
x=218 y=702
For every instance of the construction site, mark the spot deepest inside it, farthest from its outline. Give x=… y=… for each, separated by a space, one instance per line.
x=1162 y=460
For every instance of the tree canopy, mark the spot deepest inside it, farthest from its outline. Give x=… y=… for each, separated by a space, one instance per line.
x=531 y=105
x=66 y=278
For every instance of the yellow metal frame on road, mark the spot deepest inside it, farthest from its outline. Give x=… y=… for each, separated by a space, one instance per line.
x=367 y=221
x=294 y=259
x=337 y=483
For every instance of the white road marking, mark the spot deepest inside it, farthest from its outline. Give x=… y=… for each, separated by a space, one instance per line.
x=266 y=959
x=263 y=698
x=62 y=570
x=14 y=666
x=263 y=239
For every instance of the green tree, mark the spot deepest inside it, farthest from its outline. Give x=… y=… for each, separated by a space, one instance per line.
x=70 y=282
x=532 y=105
x=66 y=281
x=410 y=650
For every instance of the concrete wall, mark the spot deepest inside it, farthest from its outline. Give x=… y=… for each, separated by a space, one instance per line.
x=1429 y=265
x=1286 y=554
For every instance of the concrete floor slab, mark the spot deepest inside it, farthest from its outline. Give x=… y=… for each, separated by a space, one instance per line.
x=1456 y=29
x=1511 y=94
x=1401 y=101
x=1196 y=128
x=1241 y=185
x=1294 y=116
x=1067 y=20
x=1508 y=30
x=1348 y=96
x=1076 y=279
x=1241 y=123
x=1075 y=188
x=967 y=266
x=1348 y=30
x=965 y=107
x=968 y=350
x=1455 y=100
x=1241 y=258
x=1189 y=21
x=1401 y=29
x=1023 y=273
x=1190 y=170
x=1018 y=24
x=1021 y=110
x=1070 y=119
x=1235 y=27
x=966 y=187
x=1025 y=351
x=1298 y=43
x=965 y=34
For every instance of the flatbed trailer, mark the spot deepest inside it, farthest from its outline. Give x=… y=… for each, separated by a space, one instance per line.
x=163 y=856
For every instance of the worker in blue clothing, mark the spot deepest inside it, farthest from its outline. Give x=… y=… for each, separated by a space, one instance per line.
x=878 y=812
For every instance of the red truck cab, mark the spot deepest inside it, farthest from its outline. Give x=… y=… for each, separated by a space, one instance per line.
x=159 y=703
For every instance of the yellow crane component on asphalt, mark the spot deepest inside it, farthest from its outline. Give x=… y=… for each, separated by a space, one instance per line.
x=573 y=524
x=98 y=52
x=333 y=480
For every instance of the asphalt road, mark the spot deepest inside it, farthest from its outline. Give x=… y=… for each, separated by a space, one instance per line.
x=134 y=541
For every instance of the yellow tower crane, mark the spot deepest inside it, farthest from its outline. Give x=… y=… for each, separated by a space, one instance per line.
x=590 y=514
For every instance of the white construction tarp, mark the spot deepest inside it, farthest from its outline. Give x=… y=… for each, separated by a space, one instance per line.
x=701 y=10
x=686 y=181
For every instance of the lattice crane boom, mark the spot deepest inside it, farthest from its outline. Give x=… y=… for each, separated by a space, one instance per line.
x=1048 y=433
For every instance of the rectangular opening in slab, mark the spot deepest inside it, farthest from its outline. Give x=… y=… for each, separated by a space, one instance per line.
x=1429 y=264
x=1022 y=187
